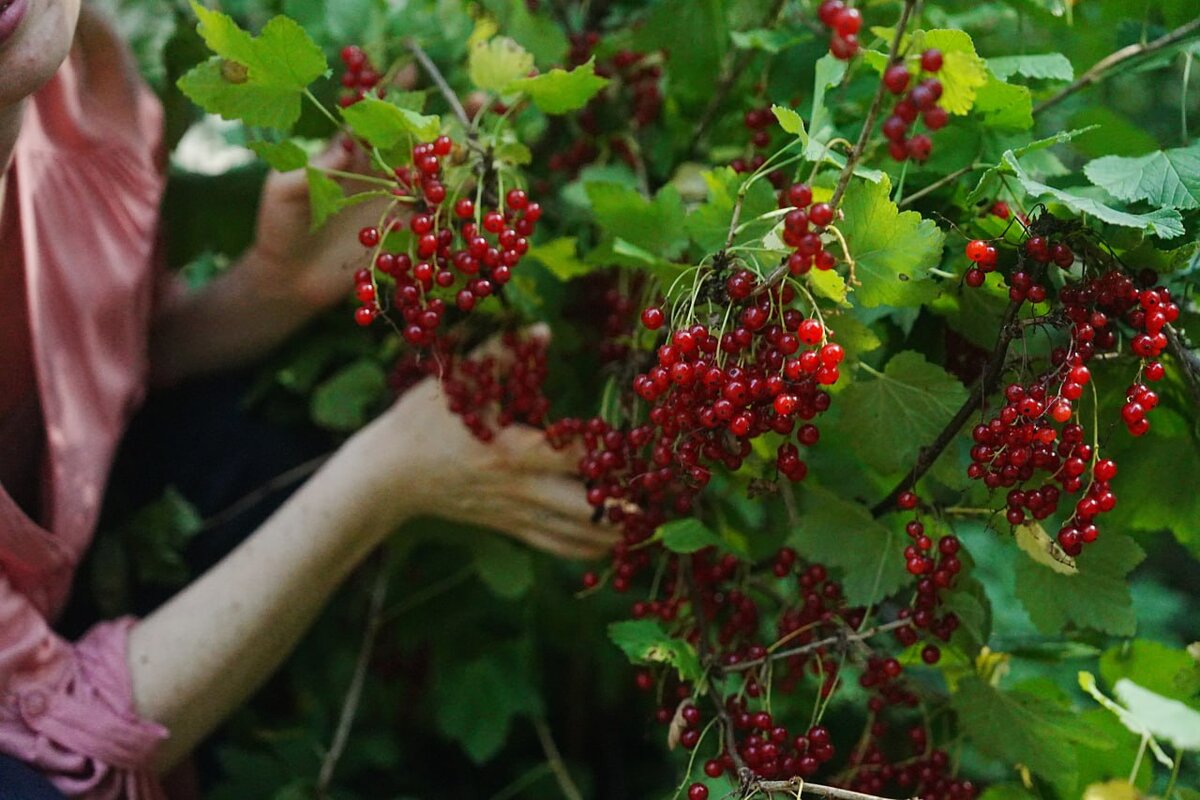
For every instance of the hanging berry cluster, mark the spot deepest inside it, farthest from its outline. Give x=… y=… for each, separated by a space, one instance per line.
x=359 y=78
x=844 y=23
x=1039 y=431
x=935 y=566
x=921 y=101
x=920 y=773
x=758 y=122
x=456 y=250
x=802 y=229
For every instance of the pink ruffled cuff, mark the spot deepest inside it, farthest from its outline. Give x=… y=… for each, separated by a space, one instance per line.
x=73 y=719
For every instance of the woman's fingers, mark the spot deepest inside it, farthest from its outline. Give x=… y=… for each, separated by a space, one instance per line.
x=559 y=503
x=526 y=449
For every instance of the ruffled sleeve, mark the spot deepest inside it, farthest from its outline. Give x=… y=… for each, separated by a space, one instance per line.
x=67 y=709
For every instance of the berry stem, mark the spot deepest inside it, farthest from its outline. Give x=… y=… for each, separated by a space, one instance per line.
x=873 y=112
x=312 y=98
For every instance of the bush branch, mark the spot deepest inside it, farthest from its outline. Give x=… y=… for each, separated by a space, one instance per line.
x=439 y=79
x=1189 y=363
x=829 y=641
x=797 y=787
x=354 y=692
x=1104 y=66
x=1009 y=328
x=555 y=760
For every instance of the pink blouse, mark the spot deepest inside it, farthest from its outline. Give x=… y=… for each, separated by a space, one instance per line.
x=87 y=195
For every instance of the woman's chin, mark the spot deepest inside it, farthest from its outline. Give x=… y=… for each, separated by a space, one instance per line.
x=35 y=38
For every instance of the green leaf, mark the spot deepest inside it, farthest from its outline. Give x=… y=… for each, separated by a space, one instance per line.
x=476 y=701
x=259 y=80
x=281 y=156
x=646 y=642
x=708 y=224
x=790 y=121
x=1166 y=178
x=1163 y=223
x=495 y=64
x=1019 y=727
x=689 y=535
x=655 y=226
x=696 y=34
x=893 y=251
x=1168 y=671
x=344 y=402
x=559 y=91
x=559 y=257
x=1004 y=105
x=156 y=535
x=1046 y=66
x=385 y=125
x=504 y=567
x=769 y=41
x=537 y=33
x=887 y=420
x=1096 y=597
x=843 y=534
x=326 y=198
x=989 y=181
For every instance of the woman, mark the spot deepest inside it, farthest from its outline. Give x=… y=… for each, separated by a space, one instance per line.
x=79 y=193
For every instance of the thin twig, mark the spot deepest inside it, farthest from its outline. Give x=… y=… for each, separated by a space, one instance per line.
x=255 y=497
x=554 y=758
x=436 y=75
x=873 y=111
x=797 y=787
x=1105 y=65
x=350 y=705
x=1189 y=362
x=841 y=638
x=726 y=82
x=938 y=184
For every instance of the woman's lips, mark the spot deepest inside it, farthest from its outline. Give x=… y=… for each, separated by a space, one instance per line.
x=11 y=14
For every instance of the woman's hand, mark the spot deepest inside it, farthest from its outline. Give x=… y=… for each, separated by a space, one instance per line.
x=424 y=461
x=316 y=267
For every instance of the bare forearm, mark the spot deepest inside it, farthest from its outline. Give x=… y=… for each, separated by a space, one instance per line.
x=233 y=321
x=202 y=654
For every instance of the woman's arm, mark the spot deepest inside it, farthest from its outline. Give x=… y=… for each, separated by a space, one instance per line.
x=201 y=655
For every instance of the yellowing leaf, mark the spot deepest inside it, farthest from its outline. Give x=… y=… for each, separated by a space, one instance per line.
x=1042 y=548
x=1111 y=790
x=495 y=64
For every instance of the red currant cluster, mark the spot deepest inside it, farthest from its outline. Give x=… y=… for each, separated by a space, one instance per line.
x=1033 y=432
x=633 y=98
x=462 y=251
x=802 y=229
x=359 y=78
x=488 y=391
x=844 y=22
x=935 y=565
x=927 y=774
x=920 y=101
x=512 y=386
